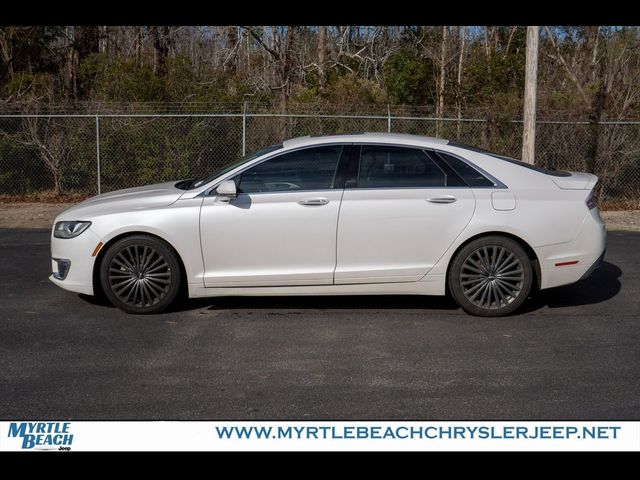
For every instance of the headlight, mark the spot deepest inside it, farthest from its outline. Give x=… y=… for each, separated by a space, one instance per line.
x=70 y=229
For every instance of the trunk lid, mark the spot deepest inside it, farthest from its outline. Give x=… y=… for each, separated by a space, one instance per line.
x=576 y=181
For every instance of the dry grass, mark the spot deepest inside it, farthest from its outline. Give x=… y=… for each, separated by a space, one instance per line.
x=617 y=205
x=44 y=197
x=21 y=214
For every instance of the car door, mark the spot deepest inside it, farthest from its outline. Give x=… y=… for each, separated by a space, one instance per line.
x=281 y=227
x=400 y=212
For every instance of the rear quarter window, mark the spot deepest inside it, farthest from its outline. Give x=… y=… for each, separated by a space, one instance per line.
x=470 y=175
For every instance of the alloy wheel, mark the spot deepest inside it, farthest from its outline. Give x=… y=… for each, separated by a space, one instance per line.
x=492 y=277
x=139 y=276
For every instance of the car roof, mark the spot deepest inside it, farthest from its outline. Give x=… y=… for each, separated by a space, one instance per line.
x=373 y=137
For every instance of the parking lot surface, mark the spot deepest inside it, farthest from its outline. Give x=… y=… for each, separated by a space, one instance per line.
x=570 y=353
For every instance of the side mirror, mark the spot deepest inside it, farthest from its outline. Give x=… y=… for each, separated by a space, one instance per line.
x=227 y=190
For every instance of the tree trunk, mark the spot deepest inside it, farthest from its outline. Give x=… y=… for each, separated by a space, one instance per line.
x=441 y=82
x=139 y=44
x=287 y=66
x=72 y=63
x=57 y=182
x=322 y=55
x=161 y=43
x=104 y=38
x=487 y=48
x=231 y=63
x=595 y=117
x=6 y=48
x=459 y=99
x=530 y=90
x=342 y=33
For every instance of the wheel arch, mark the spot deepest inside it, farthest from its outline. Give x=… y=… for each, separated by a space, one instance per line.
x=535 y=263
x=97 y=285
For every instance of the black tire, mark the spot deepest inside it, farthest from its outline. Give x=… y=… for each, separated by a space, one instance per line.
x=488 y=283
x=141 y=274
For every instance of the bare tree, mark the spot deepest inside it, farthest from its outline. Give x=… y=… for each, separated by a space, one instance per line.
x=103 y=41
x=281 y=53
x=322 y=54
x=594 y=82
x=462 y=33
x=70 y=80
x=443 y=71
x=233 y=44
x=161 y=44
x=51 y=142
x=6 y=47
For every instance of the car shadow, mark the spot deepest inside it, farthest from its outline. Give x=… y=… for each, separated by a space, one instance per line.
x=601 y=286
x=332 y=302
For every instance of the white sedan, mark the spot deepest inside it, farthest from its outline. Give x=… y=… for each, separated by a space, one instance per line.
x=362 y=214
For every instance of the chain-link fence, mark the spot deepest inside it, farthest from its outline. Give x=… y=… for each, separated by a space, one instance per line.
x=87 y=154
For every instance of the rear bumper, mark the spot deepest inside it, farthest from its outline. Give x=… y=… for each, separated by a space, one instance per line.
x=567 y=263
x=594 y=267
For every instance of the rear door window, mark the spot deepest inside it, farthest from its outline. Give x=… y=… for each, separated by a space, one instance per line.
x=384 y=166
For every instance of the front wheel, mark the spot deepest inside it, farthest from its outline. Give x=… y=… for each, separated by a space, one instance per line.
x=491 y=276
x=140 y=274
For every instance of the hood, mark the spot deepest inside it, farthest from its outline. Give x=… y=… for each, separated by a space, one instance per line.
x=576 y=181
x=138 y=198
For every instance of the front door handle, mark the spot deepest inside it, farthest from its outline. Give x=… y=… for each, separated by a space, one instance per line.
x=314 y=201
x=447 y=199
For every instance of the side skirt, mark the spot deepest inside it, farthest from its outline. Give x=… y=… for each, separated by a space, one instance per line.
x=429 y=285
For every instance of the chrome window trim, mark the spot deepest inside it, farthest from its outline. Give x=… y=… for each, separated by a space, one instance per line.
x=497 y=183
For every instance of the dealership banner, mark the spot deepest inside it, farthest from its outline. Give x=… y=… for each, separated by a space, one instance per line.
x=64 y=436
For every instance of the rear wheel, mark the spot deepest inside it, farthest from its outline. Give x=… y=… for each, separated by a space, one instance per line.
x=491 y=276
x=140 y=274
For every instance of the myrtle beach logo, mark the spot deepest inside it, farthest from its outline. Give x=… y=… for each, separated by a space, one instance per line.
x=42 y=435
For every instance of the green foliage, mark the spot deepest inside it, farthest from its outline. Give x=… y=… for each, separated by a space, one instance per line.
x=342 y=90
x=562 y=100
x=121 y=80
x=224 y=88
x=31 y=84
x=127 y=81
x=349 y=88
x=408 y=79
x=180 y=79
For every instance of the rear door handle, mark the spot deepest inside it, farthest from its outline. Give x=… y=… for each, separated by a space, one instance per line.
x=314 y=201
x=447 y=199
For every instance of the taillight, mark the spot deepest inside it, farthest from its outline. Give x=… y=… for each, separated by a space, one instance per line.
x=591 y=201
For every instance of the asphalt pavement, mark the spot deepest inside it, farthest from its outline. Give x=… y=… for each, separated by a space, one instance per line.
x=570 y=353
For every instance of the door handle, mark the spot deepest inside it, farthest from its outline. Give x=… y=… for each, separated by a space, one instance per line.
x=314 y=201
x=447 y=199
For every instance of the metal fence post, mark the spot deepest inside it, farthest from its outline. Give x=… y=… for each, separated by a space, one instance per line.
x=244 y=129
x=98 y=151
x=388 y=119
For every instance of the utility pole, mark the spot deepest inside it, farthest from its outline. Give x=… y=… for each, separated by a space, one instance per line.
x=530 y=88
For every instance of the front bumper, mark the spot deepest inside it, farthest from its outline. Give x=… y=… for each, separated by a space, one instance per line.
x=77 y=252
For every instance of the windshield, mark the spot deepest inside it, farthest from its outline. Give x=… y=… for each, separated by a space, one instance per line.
x=203 y=181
